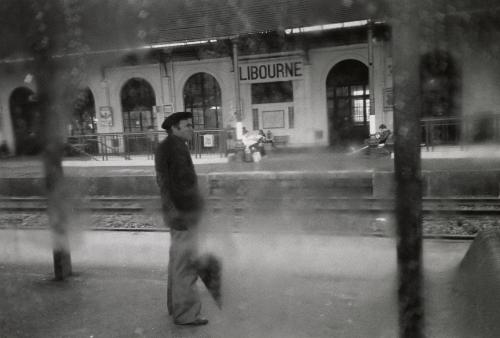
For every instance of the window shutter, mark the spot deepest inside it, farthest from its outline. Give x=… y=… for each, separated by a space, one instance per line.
x=291 y=118
x=255 y=115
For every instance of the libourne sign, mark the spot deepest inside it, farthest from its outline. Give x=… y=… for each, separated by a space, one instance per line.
x=271 y=71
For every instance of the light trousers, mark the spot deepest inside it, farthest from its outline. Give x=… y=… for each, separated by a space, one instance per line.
x=183 y=300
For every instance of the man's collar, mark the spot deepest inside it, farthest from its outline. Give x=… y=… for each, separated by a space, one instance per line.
x=176 y=138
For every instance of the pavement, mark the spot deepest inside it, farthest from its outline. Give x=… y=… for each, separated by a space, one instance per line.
x=304 y=159
x=274 y=285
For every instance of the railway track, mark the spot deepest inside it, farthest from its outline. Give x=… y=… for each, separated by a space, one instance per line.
x=451 y=218
x=441 y=206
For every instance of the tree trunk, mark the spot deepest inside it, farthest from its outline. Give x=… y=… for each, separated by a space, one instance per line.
x=52 y=117
x=406 y=59
x=52 y=158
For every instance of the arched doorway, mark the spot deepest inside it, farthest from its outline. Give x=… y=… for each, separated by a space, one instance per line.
x=202 y=97
x=440 y=85
x=26 y=121
x=137 y=99
x=83 y=123
x=348 y=103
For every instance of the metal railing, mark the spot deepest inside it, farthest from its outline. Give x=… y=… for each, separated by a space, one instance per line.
x=482 y=127
x=109 y=145
x=462 y=131
x=441 y=131
x=209 y=142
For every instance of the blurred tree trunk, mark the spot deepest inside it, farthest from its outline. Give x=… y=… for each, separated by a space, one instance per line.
x=52 y=116
x=407 y=103
x=55 y=28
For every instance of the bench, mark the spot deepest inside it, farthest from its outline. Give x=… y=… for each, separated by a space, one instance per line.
x=72 y=149
x=281 y=140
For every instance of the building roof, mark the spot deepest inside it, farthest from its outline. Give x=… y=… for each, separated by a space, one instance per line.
x=108 y=25
x=202 y=19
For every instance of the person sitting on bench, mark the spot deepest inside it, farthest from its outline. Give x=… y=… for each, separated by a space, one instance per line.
x=383 y=134
x=379 y=138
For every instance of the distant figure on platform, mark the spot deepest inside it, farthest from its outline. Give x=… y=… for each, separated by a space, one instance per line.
x=383 y=134
x=379 y=138
x=253 y=145
x=262 y=140
x=376 y=143
x=270 y=139
x=269 y=135
x=4 y=149
x=152 y=140
x=182 y=206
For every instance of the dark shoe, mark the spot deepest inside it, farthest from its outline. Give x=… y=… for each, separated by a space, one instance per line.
x=196 y=322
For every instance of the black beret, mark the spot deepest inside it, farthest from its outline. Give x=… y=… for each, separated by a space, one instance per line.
x=175 y=118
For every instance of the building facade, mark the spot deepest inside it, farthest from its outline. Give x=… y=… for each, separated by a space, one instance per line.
x=316 y=97
x=316 y=85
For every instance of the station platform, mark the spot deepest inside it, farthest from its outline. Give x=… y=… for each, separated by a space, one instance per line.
x=476 y=172
x=119 y=287
x=119 y=284
x=303 y=159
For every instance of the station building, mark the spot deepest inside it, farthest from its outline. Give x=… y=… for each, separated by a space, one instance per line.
x=313 y=73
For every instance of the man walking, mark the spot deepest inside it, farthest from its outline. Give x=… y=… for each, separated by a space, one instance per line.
x=182 y=205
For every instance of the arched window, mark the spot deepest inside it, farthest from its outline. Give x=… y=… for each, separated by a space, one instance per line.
x=202 y=97
x=26 y=121
x=138 y=98
x=83 y=119
x=348 y=102
x=440 y=83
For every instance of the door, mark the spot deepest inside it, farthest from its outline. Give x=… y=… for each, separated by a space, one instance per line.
x=348 y=103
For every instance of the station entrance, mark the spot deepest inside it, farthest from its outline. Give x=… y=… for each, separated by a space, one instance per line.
x=348 y=103
x=26 y=122
x=138 y=99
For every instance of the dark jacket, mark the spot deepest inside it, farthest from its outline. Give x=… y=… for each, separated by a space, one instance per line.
x=384 y=136
x=176 y=177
